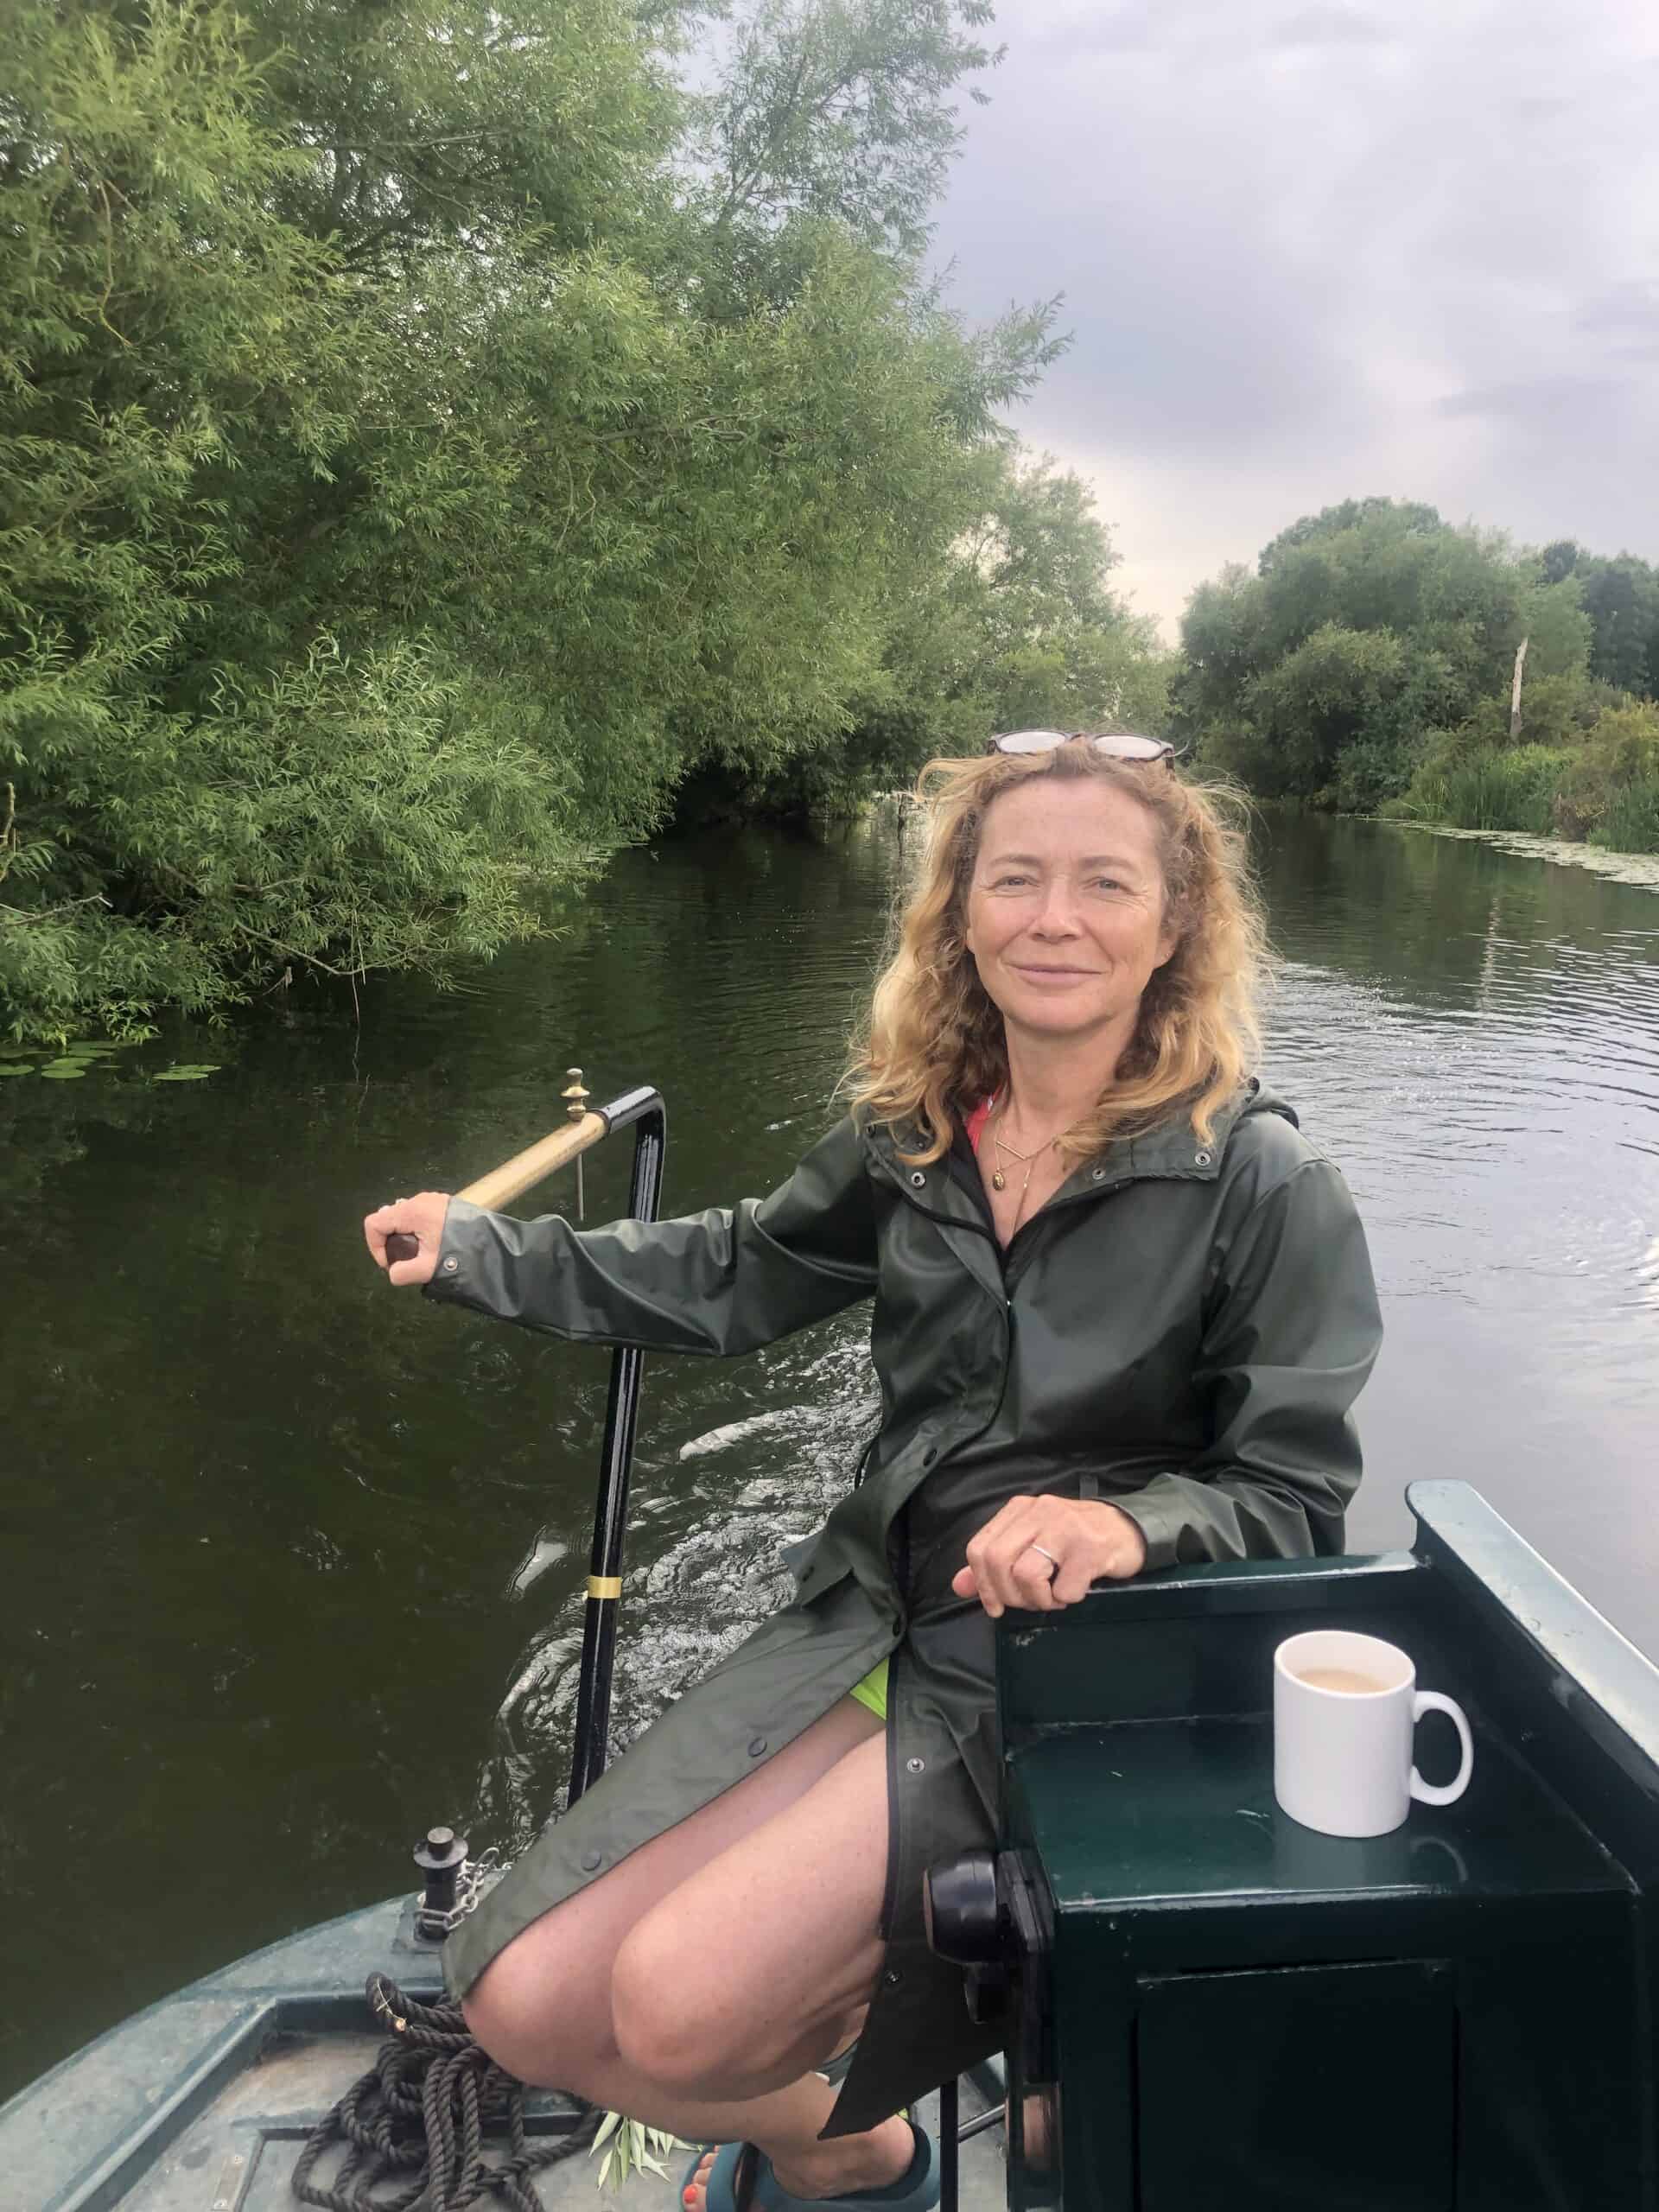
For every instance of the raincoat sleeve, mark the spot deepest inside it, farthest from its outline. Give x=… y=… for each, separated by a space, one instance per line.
x=725 y=1281
x=1291 y=1332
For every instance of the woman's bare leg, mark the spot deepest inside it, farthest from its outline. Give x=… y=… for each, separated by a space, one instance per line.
x=697 y=1984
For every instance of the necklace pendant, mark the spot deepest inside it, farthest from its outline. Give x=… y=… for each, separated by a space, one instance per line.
x=999 y=1180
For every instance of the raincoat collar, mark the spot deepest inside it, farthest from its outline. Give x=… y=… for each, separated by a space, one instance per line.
x=1169 y=1151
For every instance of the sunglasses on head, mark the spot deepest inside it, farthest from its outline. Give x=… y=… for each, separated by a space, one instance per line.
x=1121 y=745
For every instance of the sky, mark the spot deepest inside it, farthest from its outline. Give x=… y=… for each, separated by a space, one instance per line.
x=1316 y=252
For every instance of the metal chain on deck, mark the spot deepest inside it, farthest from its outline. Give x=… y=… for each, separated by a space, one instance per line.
x=422 y=2112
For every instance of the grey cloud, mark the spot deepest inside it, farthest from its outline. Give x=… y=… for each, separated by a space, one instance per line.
x=1319 y=248
x=1059 y=33
x=1547 y=400
x=1626 y=318
x=1128 y=29
x=1622 y=306
x=1538 y=107
x=1330 y=26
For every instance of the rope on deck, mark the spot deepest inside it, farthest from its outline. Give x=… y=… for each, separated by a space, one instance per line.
x=422 y=2112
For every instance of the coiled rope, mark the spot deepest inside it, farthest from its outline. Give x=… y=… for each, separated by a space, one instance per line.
x=422 y=2112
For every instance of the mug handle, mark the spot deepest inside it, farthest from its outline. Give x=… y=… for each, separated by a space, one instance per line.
x=1431 y=1702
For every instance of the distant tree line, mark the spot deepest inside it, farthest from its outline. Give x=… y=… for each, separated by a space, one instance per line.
x=434 y=438
x=1370 y=661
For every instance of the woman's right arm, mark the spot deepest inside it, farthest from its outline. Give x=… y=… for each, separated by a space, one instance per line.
x=725 y=1281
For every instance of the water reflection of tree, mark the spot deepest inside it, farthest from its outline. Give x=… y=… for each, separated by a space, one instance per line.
x=1434 y=920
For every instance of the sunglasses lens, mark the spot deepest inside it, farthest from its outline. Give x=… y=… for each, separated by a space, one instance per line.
x=1121 y=745
x=1125 y=745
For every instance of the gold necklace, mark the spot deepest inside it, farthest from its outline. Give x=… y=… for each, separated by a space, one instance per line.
x=999 y=1180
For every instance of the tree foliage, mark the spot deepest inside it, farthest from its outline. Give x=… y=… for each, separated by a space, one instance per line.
x=428 y=431
x=843 y=110
x=1017 y=627
x=1368 y=662
x=1621 y=599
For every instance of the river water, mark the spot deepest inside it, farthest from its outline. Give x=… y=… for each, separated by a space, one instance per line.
x=293 y=1563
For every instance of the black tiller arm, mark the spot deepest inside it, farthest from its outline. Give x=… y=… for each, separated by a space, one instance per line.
x=645 y=1108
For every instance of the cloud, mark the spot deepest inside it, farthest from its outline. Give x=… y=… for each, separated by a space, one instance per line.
x=1329 y=25
x=1554 y=403
x=1627 y=315
x=1314 y=253
x=1117 y=30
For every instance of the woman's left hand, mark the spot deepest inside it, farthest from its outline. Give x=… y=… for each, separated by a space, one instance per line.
x=1084 y=1540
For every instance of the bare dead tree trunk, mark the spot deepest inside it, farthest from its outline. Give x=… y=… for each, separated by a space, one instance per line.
x=1515 y=691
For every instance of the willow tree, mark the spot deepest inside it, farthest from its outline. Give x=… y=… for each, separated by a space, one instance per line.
x=415 y=450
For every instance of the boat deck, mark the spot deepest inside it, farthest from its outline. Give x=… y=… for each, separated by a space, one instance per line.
x=204 y=2102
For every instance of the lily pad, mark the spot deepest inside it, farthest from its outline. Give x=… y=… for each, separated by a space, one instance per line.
x=86 y=1048
x=16 y=1067
x=190 y=1073
x=65 y=1071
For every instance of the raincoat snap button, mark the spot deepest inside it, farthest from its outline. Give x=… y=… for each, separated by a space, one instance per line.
x=451 y=1264
x=1201 y=1160
x=757 y=1749
x=892 y=1977
x=918 y=1181
x=1099 y=1175
x=592 y=1861
x=916 y=1766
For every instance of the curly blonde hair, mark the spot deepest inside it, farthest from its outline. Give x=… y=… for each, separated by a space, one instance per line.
x=933 y=1041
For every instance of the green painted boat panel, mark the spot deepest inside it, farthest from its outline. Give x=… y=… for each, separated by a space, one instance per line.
x=1362 y=2054
x=1184 y=1812
x=1199 y=1953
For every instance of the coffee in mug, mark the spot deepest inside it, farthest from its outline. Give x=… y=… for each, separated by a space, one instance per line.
x=1345 y=1707
x=1345 y=1679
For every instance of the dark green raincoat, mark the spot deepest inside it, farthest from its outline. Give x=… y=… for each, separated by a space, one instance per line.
x=1181 y=1329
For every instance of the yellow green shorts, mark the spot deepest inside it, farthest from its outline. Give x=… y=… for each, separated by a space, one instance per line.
x=872 y=1690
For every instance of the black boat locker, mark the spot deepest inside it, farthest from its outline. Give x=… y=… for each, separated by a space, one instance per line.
x=1210 y=2006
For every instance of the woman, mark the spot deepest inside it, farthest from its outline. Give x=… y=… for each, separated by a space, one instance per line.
x=1122 y=1310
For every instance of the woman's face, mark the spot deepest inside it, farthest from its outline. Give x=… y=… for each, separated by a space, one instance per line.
x=1065 y=906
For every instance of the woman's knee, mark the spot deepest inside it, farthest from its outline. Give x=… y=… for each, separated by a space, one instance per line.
x=675 y=2028
x=533 y=2022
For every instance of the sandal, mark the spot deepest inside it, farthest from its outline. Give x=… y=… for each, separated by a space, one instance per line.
x=741 y=2180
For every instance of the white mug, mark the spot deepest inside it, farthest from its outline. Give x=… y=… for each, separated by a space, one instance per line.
x=1342 y=1755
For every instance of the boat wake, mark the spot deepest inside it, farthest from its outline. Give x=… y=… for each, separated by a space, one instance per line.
x=704 y=1568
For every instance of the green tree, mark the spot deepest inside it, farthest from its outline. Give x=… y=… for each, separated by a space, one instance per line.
x=1622 y=604
x=1621 y=599
x=1362 y=628
x=842 y=109
x=1339 y=693
x=1049 y=643
x=1017 y=628
x=1023 y=630
x=413 y=461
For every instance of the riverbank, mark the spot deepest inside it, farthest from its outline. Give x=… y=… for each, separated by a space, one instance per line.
x=1589 y=773
x=1641 y=870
